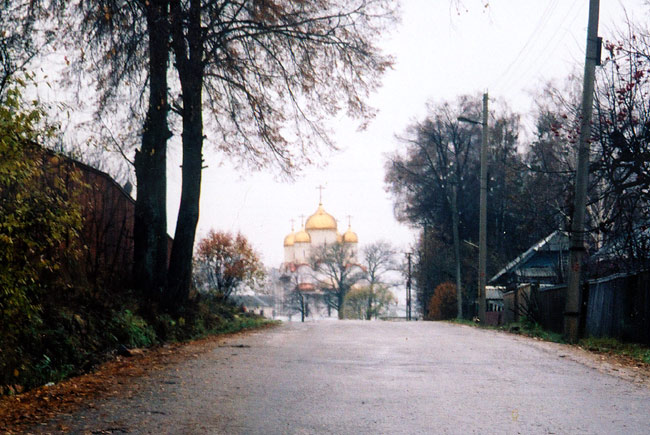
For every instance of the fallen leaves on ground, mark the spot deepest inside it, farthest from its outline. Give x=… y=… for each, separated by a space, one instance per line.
x=113 y=378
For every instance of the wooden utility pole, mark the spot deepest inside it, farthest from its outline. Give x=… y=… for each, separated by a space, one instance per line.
x=454 y=219
x=482 y=226
x=577 y=247
x=482 y=233
x=408 y=288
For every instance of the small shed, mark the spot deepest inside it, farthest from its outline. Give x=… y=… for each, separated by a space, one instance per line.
x=494 y=305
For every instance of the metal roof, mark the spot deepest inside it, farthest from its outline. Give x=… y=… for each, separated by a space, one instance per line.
x=556 y=241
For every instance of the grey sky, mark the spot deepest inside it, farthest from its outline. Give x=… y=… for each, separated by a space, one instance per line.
x=509 y=49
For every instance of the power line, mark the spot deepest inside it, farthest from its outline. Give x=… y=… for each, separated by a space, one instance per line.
x=543 y=21
x=553 y=42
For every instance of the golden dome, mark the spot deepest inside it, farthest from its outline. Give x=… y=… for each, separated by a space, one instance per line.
x=350 y=236
x=321 y=220
x=288 y=241
x=302 y=237
x=339 y=237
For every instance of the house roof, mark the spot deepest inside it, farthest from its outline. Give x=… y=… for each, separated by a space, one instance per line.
x=556 y=241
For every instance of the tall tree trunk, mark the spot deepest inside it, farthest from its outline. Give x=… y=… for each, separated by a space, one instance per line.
x=302 y=307
x=150 y=223
x=371 y=298
x=189 y=59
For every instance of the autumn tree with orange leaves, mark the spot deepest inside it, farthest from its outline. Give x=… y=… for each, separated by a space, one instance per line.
x=224 y=263
x=443 y=302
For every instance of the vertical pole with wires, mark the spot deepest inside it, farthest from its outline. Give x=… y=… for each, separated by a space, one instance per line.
x=577 y=246
x=482 y=243
x=408 y=287
x=482 y=226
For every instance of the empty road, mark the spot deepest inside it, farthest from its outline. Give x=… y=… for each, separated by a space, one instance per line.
x=354 y=377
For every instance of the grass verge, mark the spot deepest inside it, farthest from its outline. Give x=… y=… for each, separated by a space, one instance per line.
x=523 y=327
x=611 y=346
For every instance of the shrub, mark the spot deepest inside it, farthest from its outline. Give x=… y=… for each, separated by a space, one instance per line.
x=39 y=220
x=442 y=305
x=367 y=302
x=133 y=331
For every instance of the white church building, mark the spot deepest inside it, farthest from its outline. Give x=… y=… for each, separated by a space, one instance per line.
x=318 y=230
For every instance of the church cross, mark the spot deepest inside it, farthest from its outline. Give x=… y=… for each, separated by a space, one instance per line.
x=349 y=220
x=292 y=222
x=302 y=220
x=320 y=199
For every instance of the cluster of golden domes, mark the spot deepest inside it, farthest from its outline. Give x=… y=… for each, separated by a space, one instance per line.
x=301 y=236
x=320 y=220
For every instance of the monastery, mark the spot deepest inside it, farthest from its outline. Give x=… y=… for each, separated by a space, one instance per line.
x=320 y=229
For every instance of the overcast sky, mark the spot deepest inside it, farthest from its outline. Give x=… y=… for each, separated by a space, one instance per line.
x=509 y=49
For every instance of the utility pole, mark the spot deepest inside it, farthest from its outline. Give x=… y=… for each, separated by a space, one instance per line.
x=482 y=232
x=577 y=247
x=482 y=226
x=408 y=287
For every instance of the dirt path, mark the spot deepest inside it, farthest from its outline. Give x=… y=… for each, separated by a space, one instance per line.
x=373 y=377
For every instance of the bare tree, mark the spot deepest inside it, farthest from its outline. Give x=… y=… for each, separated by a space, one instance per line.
x=335 y=272
x=621 y=133
x=270 y=73
x=295 y=300
x=378 y=261
x=435 y=171
x=125 y=53
x=21 y=38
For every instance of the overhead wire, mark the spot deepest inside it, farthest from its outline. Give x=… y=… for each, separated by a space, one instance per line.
x=549 y=49
x=543 y=21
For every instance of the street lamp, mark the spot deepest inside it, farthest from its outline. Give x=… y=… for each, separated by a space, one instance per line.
x=482 y=246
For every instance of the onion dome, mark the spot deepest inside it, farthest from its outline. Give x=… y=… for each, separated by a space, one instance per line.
x=321 y=220
x=302 y=237
x=289 y=239
x=339 y=237
x=350 y=236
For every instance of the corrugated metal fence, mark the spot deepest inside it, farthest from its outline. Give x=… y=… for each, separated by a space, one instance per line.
x=617 y=306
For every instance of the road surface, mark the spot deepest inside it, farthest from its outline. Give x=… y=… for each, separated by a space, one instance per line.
x=355 y=377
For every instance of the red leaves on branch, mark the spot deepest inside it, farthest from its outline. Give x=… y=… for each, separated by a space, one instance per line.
x=224 y=262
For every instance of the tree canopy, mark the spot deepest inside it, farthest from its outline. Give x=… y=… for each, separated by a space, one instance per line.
x=335 y=273
x=225 y=263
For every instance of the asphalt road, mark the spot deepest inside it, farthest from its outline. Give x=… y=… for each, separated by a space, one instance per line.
x=355 y=377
